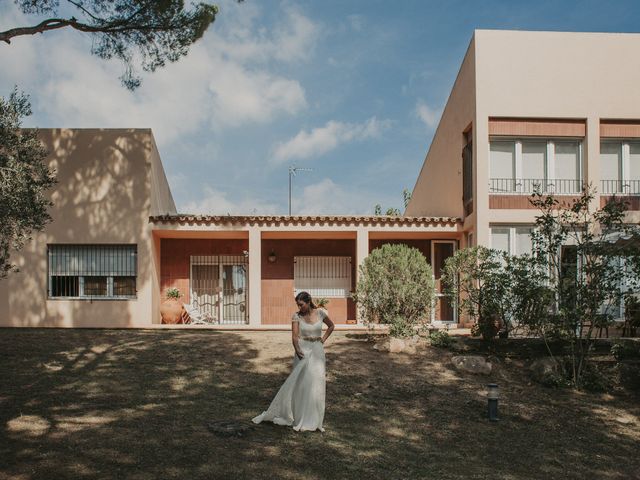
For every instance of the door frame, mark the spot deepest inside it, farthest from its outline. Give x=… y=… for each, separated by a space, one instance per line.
x=220 y=261
x=454 y=321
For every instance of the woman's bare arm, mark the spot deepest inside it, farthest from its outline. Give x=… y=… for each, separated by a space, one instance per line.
x=330 y=328
x=295 y=331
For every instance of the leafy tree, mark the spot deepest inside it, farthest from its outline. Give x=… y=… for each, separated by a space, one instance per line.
x=24 y=180
x=391 y=211
x=478 y=279
x=149 y=32
x=396 y=287
x=497 y=290
x=584 y=267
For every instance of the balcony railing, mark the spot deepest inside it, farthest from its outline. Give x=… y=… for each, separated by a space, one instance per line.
x=620 y=187
x=528 y=185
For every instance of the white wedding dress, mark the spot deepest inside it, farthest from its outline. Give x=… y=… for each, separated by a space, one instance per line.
x=301 y=398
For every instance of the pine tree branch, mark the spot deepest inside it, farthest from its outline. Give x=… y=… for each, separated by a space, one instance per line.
x=56 y=23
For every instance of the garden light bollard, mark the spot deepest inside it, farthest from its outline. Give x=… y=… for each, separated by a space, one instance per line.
x=492 y=398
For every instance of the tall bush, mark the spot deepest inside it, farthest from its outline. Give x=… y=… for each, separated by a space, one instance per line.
x=396 y=287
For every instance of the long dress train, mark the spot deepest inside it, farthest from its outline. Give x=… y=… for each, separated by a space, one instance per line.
x=300 y=402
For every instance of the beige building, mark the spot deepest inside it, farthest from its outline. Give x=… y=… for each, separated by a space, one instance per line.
x=558 y=110
x=555 y=109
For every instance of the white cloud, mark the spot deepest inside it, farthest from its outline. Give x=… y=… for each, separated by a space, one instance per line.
x=215 y=202
x=324 y=139
x=325 y=197
x=227 y=80
x=429 y=116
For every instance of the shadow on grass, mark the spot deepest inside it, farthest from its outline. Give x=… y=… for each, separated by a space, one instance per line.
x=136 y=404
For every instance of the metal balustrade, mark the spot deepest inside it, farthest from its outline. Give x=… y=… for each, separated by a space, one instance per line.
x=528 y=185
x=622 y=187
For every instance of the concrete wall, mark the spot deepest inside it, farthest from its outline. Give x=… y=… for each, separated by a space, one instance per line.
x=103 y=196
x=438 y=189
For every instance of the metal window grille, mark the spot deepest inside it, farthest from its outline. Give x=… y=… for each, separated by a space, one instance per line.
x=92 y=271
x=323 y=276
x=218 y=287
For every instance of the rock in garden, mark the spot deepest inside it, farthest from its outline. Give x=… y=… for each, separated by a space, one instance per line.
x=382 y=346
x=545 y=370
x=471 y=364
x=400 y=345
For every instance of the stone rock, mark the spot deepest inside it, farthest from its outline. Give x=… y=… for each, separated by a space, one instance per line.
x=545 y=371
x=471 y=364
x=401 y=345
x=382 y=346
x=397 y=345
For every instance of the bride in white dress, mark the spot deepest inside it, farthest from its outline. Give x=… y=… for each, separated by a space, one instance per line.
x=300 y=401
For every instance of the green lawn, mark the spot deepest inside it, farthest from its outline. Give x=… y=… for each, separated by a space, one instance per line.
x=136 y=404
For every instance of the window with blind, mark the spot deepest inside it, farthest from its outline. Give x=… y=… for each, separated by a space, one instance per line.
x=92 y=271
x=620 y=167
x=523 y=165
x=512 y=240
x=322 y=276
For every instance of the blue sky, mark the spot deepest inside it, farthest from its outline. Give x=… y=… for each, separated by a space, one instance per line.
x=350 y=89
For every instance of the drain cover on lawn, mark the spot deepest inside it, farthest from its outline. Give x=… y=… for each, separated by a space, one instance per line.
x=228 y=428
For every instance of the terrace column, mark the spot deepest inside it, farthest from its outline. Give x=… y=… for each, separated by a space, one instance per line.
x=362 y=251
x=255 y=276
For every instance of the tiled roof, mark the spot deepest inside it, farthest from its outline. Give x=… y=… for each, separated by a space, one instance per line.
x=303 y=220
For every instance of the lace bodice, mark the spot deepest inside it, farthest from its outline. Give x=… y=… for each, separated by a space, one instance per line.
x=313 y=328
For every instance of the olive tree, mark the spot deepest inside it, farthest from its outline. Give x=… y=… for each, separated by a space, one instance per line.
x=396 y=287
x=24 y=180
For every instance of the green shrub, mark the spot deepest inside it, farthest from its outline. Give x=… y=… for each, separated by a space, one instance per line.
x=173 y=293
x=396 y=287
x=321 y=302
x=441 y=339
x=623 y=351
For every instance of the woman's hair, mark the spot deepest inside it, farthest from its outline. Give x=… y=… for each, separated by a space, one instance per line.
x=306 y=298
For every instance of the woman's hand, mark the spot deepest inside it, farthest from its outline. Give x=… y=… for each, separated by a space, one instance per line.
x=300 y=354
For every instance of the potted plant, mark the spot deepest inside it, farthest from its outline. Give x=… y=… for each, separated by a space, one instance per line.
x=171 y=308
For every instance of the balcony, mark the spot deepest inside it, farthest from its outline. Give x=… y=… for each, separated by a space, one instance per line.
x=620 y=187
x=526 y=186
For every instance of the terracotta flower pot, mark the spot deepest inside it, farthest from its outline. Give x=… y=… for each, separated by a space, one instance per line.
x=171 y=311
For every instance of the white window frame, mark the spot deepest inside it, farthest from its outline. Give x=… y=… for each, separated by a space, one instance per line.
x=549 y=166
x=625 y=163
x=512 y=235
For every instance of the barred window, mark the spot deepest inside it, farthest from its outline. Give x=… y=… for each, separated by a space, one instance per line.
x=92 y=271
x=323 y=276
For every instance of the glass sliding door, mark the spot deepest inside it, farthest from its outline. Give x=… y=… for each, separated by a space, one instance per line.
x=219 y=287
x=440 y=251
x=234 y=293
